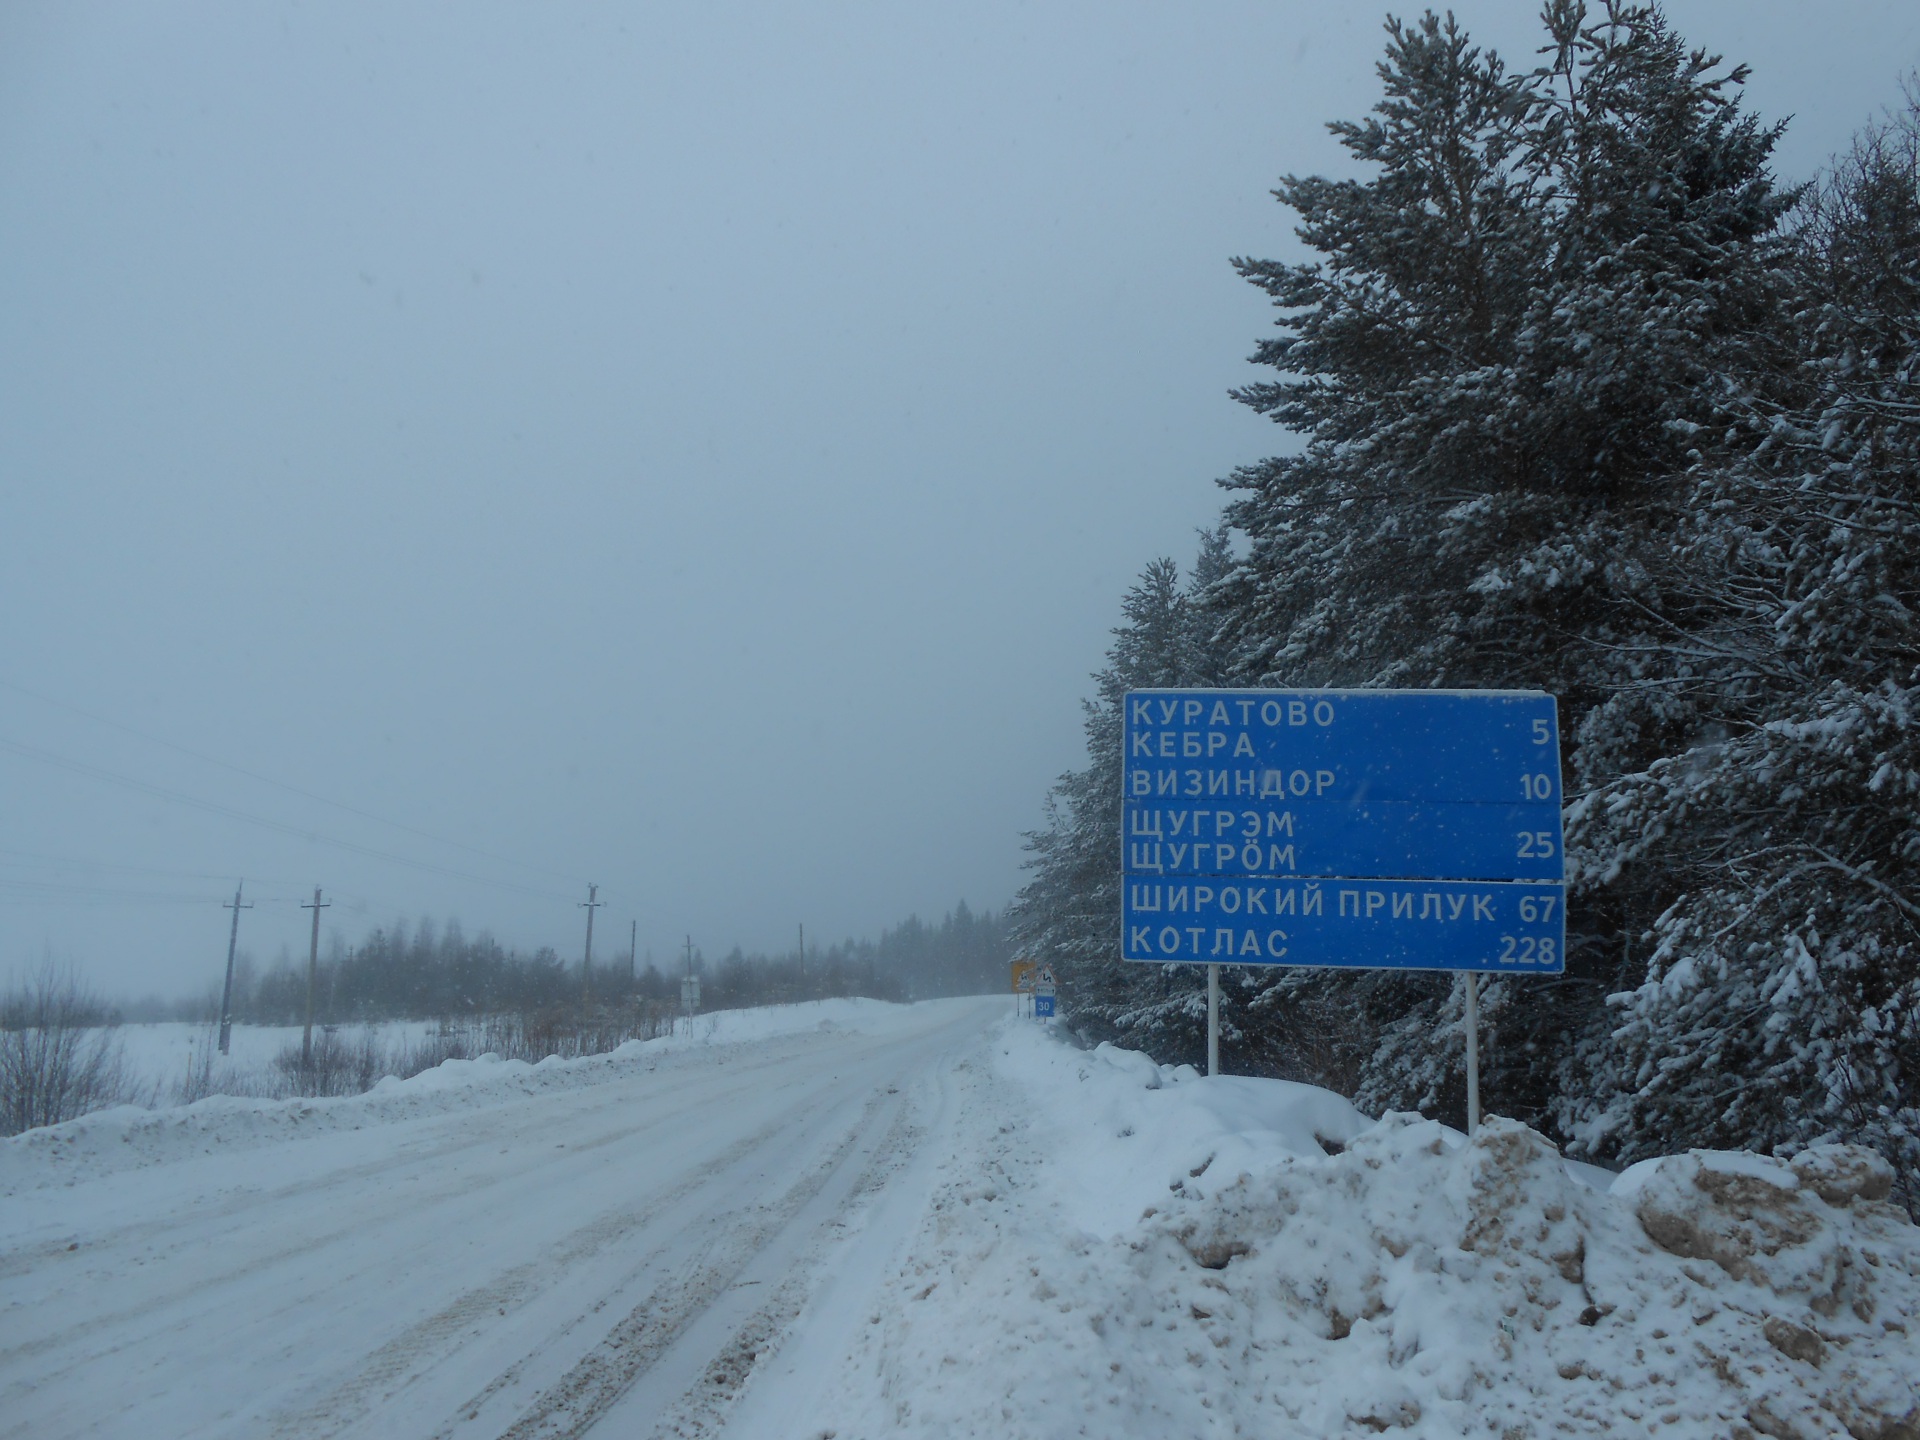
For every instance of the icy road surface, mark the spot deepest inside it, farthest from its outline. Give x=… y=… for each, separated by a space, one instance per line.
x=856 y=1221
x=596 y=1248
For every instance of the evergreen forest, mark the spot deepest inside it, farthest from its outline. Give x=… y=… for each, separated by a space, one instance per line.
x=1582 y=397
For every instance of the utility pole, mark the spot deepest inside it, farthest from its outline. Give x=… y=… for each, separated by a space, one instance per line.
x=313 y=968
x=633 y=952
x=233 y=938
x=803 y=952
x=590 y=904
x=690 y=987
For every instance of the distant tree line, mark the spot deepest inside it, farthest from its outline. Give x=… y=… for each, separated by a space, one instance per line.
x=1589 y=403
x=421 y=970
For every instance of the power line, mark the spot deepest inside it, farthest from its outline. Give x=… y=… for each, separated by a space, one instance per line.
x=87 y=888
x=227 y=811
x=36 y=893
x=36 y=860
x=277 y=784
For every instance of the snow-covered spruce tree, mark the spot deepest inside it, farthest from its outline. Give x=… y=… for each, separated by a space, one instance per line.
x=1499 y=362
x=1068 y=914
x=1781 y=1003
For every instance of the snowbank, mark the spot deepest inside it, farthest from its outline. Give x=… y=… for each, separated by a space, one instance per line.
x=1117 y=1126
x=1180 y=1255
x=1410 y=1279
x=128 y=1136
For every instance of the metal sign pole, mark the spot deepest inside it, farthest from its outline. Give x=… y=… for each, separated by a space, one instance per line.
x=1473 y=1052
x=1213 y=1019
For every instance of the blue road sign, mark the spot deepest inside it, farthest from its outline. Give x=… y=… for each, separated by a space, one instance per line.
x=1245 y=810
x=1043 y=1007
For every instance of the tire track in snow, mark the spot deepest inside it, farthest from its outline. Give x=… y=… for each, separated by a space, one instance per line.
x=840 y=1254
x=708 y=1408
x=637 y=1342
x=428 y=1153
x=387 y=1368
x=206 y=1223
x=538 y=1392
x=333 y=1305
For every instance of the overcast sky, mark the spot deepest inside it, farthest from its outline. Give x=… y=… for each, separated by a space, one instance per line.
x=697 y=448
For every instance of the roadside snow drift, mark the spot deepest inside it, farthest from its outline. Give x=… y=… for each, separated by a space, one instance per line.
x=1171 y=1255
x=128 y=1136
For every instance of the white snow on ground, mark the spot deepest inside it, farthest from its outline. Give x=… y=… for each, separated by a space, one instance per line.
x=159 y=1053
x=129 y=1135
x=159 y=1056
x=856 y=1220
x=1124 y=1249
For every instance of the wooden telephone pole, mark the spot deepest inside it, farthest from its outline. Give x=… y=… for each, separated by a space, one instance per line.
x=313 y=968
x=590 y=904
x=233 y=939
x=690 y=986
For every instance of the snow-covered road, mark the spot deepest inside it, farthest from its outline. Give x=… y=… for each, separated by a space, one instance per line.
x=538 y=1259
x=850 y=1221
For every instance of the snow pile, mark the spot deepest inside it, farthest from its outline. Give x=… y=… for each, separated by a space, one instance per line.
x=1409 y=1283
x=1169 y=1254
x=128 y=1136
x=1116 y=1126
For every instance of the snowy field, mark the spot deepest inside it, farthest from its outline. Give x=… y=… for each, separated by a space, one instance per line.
x=159 y=1057
x=861 y=1220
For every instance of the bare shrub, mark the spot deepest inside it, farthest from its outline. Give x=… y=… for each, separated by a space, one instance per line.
x=340 y=1064
x=199 y=1082
x=211 y=1073
x=58 y=1060
x=351 y=1064
x=571 y=1032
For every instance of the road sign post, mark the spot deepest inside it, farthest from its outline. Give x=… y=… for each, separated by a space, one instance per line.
x=1396 y=829
x=1023 y=973
x=1213 y=1019
x=1041 y=984
x=1473 y=1051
